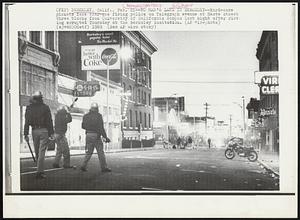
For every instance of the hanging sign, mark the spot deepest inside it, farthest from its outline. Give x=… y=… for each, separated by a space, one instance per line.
x=86 y=89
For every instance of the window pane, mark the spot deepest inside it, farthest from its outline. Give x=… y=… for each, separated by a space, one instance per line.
x=49 y=40
x=39 y=79
x=35 y=37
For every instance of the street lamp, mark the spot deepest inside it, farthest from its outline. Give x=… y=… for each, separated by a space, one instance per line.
x=125 y=53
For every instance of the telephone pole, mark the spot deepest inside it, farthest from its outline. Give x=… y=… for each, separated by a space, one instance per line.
x=206 y=108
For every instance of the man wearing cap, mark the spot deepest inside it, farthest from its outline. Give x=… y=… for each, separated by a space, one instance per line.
x=93 y=124
x=38 y=116
x=62 y=118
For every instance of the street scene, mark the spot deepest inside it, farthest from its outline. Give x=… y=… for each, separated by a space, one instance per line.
x=149 y=111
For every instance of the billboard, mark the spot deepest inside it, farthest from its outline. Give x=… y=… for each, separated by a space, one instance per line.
x=91 y=57
x=100 y=37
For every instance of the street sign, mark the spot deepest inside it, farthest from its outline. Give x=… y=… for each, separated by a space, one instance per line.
x=109 y=56
x=86 y=89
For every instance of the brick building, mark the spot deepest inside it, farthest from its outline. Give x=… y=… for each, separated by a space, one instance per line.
x=267 y=54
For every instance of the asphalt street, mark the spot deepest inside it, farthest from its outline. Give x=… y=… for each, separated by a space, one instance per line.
x=157 y=169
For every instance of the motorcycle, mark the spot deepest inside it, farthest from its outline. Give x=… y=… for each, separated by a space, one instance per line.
x=235 y=147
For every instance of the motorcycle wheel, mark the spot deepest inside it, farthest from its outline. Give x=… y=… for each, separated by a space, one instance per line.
x=229 y=154
x=252 y=156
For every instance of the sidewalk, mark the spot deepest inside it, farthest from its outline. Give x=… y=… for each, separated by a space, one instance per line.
x=270 y=161
x=26 y=155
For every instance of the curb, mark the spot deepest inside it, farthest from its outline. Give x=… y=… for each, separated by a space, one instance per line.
x=268 y=168
x=106 y=152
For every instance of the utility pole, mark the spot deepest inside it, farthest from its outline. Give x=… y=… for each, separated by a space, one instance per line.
x=206 y=108
x=244 y=123
x=230 y=120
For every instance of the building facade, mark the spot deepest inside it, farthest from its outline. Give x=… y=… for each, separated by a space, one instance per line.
x=133 y=75
x=38 y=70
x=267 y=54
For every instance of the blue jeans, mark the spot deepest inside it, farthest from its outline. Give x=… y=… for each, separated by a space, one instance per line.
x=94 y=141
x=40 y=141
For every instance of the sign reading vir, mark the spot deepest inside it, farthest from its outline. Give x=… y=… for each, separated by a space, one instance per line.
x=86 y=89
x=269 y=85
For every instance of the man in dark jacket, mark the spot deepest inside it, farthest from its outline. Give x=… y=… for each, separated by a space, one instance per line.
x=38 y=116
x=92 y=122
x=62 y=118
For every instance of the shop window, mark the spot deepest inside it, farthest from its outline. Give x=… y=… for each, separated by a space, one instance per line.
x=35 y=78
x=49 y=40
x=35 y=37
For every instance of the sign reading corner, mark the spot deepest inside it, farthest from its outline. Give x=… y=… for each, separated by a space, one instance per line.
x=91 y=57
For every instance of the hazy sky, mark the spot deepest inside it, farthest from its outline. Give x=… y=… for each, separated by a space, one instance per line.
x=206 y=60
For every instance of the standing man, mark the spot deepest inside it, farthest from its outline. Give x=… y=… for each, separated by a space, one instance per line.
x=209 y=142
x=62 y=118
x=38 y=116
x=93 y=124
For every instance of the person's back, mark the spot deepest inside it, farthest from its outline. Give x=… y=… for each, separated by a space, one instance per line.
x=92 y=122
x=62 y=118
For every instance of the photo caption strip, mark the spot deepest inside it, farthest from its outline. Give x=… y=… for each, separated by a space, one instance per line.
x=143 y=16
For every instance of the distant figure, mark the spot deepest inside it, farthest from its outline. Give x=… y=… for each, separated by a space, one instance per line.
x=209 y=142
x=190 y=141
x=178 y=142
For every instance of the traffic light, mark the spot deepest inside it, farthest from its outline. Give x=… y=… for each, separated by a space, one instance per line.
x=181 y=103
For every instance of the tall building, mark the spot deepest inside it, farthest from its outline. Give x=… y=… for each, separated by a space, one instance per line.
x=267 y=54
x=38 y=69
x=81 y=55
